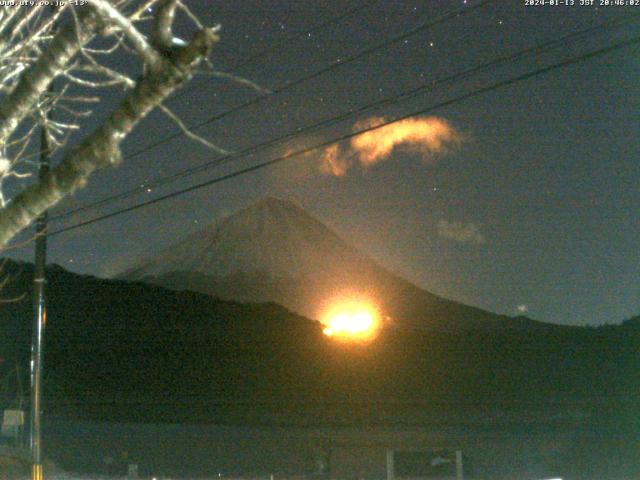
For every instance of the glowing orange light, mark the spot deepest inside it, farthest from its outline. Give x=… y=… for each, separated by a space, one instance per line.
x=353 y=321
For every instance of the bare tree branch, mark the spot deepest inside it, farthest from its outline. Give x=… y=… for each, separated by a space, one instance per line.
x=139 y=13
x=162 y=33
x=237 y=79
x=101 y=148
x=35 y=81
x=190 y=134
x=190 y=14
x=149 y=54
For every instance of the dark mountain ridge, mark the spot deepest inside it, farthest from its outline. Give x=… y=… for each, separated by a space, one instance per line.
x=130 y=351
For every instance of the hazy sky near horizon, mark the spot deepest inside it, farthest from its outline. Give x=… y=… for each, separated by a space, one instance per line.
x=531 y=209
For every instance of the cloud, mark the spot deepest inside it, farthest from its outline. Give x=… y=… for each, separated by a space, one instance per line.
x=331 y=162
x=425 y=135
x=461 y=232
x=428 y=136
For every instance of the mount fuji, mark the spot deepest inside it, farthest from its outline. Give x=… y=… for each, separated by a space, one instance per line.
x=274 y=251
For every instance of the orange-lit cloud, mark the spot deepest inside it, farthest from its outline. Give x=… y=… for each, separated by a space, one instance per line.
x=332 y=162
x=428 y=136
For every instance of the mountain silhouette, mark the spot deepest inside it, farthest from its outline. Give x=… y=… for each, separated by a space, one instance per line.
x=274 y=251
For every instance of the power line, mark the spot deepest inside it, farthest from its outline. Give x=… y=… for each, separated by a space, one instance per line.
x=474 y=93
x=332 y=66
x=352 y=113
x=321 y=25
x=321 y=145
x=286 y=86
x=251 y=59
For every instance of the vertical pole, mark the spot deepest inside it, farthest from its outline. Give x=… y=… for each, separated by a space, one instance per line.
x=391 y=471
x=40 y=321
x=459 y=472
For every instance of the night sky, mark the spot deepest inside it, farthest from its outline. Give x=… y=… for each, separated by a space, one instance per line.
x=534 y=210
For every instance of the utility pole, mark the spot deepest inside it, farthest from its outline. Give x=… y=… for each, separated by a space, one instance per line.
x=40 y=320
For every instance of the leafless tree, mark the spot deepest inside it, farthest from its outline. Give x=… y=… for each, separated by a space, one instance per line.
x=72 y=45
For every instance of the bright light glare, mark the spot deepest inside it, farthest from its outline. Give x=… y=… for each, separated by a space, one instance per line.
x=356 y=321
